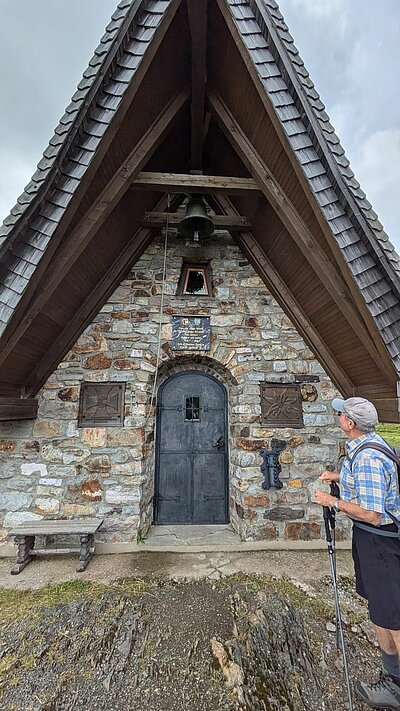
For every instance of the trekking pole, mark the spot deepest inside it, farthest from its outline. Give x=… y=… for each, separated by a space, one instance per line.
x=329 y=521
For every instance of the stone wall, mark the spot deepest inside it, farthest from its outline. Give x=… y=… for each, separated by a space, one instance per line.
x=50 y=467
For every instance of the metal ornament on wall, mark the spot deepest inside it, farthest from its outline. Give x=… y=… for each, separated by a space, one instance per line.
x=271 y=467
x=281 y=405
x=101 y=404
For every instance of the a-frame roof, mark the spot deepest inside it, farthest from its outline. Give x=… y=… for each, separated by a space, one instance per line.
x=215 y=86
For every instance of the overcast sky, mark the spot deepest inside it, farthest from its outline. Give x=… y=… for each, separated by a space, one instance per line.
x=350 y=47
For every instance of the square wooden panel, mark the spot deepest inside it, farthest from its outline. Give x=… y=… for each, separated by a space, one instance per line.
x=101 y=405
x=281 y=405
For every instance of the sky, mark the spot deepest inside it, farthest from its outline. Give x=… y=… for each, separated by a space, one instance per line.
x=350 y=47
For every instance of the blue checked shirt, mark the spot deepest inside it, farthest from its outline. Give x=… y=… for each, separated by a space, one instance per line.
x=371 y=480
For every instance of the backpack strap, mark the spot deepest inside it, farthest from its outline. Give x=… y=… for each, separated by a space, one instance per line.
x=388 y=451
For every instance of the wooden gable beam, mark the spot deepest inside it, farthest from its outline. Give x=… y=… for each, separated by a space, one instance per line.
x=197 y=11
x=188 y=183
x=94 y=302
x=82 y=234
x=221 y=222
x=298 y=230
x=16 y=408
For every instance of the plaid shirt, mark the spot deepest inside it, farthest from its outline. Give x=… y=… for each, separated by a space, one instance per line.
x=370 y=480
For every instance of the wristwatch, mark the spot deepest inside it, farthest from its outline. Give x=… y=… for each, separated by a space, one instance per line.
x=336 y=505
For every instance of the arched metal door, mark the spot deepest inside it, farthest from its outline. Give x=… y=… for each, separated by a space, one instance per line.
x=191 y=451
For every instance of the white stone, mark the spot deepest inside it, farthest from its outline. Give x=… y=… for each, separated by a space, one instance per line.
x=136 y=353
x=48 y=506
x=280 y=366
x=122 y=326
x=16 y=518
x=29 y=468
x=50 y=482
x=14 y=500
x=119 y=495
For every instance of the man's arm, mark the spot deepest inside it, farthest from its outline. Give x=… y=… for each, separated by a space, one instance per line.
x=352 y=510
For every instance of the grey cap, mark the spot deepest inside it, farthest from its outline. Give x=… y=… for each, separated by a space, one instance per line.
x=360 y=410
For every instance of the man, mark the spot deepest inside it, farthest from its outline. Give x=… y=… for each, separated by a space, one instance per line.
x=369 y=493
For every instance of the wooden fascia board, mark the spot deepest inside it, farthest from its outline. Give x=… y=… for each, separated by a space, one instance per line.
x=297 y=229
x=140 y=73
x=188 y=183
x=94 y=302
x=322 y=144
x=13 y=408
x=221 y=222
x=82 y=234
x=197 y=12
x=272 y=115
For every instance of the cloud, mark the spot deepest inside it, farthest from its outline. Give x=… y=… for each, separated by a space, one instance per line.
x=378 y=161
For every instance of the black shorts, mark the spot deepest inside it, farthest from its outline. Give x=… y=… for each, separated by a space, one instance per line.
x=377 y=568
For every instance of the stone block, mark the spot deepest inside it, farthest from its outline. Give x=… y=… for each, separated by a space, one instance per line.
x=14 y=500
x=79 y=510
x=286 y=457
x=99 y=464
x=51 y=454
x=256 y=501
x=14 y=519
x=93 y=436
x=47 y=428
x=284 y=513
x=46 y=506
x=99 y=361
x=122 y=495
x=263 y=532
x=295 y=442
x=90 y=343
x=7 y=446
x=29 y=468
x=280 y=366
x=124 y=364
x=68 y=394
x=125 y=437
x=302 y=531
x=252 y=445
x=309 y=392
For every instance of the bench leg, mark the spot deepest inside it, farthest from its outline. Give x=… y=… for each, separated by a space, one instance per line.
x=24 y=557
x=87 y=551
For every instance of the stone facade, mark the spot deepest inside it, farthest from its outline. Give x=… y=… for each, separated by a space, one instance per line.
x=50 y=467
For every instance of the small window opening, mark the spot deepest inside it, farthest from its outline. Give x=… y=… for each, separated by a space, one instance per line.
x=192 y=409
x=195 y=280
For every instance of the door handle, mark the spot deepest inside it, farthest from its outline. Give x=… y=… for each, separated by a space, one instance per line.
x=220 y=443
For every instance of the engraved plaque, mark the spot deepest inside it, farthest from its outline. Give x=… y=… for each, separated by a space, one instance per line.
x=191 y=333
x=101 y=405
x=281 y=405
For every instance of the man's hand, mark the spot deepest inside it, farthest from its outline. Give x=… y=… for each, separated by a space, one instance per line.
x=328 y=476
x=323 y=498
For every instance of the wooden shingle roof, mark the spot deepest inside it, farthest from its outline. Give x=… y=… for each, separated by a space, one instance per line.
x=232 y=64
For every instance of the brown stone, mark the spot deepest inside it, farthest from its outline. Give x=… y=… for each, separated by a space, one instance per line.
x=32 y=446
x=342 y=449
x=302 y=531
x=125 y=437
x=239 y=510
x=266 y=532
x=92 y=490
x=97 y=362
x=120 y=315
x=90 y=343
x=168 y=350
x=296 y=441
x=123 y=364
x=284 y=513
x=93 y=436
x=286 y=457
x=252 y=445
x=251 y=322
x=256 y=501
x=245 y=432
x=309 y=393
x=314 y=439
x=68 y=394
x=46 y=428
x=7 y=445
x=296 y=484
x=100 y=464
x=78 y=510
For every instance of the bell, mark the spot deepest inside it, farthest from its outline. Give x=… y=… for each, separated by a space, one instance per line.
x=196 y=222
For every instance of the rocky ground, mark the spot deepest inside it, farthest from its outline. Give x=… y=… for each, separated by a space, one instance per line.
x=238 y=642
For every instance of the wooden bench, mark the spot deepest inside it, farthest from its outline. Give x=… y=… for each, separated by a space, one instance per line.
x=25 y=535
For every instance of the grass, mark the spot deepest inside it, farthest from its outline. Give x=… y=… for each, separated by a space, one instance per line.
x=16 y=604
x=389 y=432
